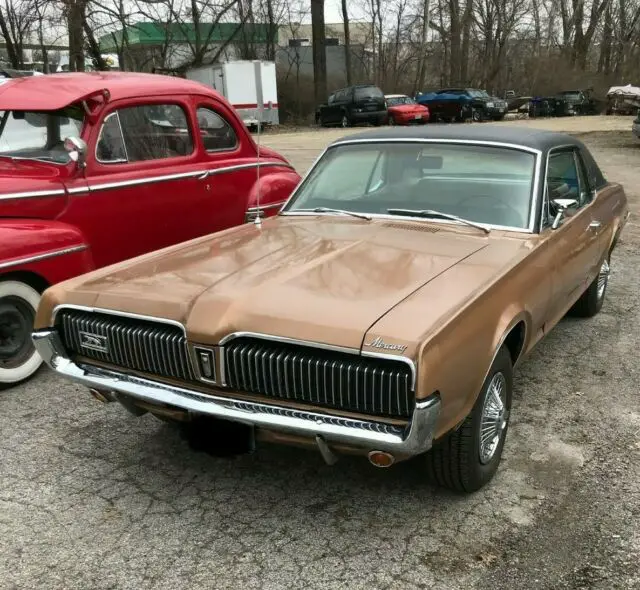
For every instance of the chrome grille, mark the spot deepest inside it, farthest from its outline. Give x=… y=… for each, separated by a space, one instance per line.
x=368 y=385
x=150 y=347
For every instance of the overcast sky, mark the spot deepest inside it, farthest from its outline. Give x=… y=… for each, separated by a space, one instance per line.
x=333 y=11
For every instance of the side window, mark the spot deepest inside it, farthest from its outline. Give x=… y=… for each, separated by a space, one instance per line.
x=146 y=132
x=216 y=132
x=110 y=148
x=565 y=180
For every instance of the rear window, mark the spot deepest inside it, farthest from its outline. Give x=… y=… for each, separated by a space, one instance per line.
x=368 y=92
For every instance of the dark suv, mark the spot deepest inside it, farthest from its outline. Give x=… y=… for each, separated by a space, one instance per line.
x=364 y=103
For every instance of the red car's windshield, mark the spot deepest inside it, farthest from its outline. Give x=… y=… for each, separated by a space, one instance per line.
x=399 y=100
x=39 y=135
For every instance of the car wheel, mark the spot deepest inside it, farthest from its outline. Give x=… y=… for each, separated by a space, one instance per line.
x=18 y=357
x=467 y=458
x=590 y=302
x=392 y=121
x=476 y=116
x=345 y=121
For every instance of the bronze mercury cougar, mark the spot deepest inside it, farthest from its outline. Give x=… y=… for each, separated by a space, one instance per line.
x=381 y=313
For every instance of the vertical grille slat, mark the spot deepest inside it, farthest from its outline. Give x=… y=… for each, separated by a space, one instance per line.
x=139 y=345
x=304 y=374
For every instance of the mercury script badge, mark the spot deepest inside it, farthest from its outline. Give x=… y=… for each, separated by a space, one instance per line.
x=380 y=343
x=94 y=342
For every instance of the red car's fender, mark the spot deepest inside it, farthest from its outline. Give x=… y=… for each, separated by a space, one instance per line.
x=48 y=251
x=274 y=187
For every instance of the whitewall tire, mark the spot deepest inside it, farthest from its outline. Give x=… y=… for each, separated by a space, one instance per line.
x=18 y=357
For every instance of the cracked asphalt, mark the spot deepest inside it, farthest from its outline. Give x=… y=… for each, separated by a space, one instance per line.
x=93 y=498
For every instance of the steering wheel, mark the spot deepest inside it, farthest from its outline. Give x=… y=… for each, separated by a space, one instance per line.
x=501 y=204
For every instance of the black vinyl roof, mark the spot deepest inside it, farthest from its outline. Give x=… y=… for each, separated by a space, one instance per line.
x=532 y=138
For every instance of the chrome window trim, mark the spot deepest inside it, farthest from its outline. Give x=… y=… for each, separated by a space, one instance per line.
x=545 y=196
x=124 y=145
x=124 y=314
x=43 y=256
x=32 y=194
x=91 y=188
x=318 y=345
x=220 y=150
x=535 y=189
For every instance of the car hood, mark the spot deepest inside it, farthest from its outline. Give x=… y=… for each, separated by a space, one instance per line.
x=326 y=279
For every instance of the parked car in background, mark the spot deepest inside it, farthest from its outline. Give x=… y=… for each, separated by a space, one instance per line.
x=363 y=103
x=403 y=110
x=98 y=168
x=576 y=102
x=382 y=312
x=459 y=104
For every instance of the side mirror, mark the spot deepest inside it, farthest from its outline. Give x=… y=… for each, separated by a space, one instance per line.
x=562 y=205
x=77 y=149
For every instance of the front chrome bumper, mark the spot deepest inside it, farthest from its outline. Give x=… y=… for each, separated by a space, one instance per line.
x=415 y=438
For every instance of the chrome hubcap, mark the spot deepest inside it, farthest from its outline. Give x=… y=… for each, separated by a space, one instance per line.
x=603 y=277
x=494 y=417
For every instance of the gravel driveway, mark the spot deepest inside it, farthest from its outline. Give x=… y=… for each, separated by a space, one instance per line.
x=92 y=498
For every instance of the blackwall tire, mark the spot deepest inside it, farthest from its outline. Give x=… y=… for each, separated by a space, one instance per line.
x=468 y=458
x=18 y=357
x=591 y=301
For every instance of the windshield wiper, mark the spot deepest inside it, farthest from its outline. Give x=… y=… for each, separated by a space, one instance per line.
x=432 y=213
x=340 y=211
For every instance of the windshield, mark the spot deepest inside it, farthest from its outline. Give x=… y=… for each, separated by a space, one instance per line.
x=484 y=184
x=397 y=100
x=478 y=93
x=570 y=94
x=39 y=135
x=368 y=92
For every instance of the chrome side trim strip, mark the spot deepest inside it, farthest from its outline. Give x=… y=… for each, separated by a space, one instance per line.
x=167 y=177
x=32 y=195
x=124 y=314
x=44 y=256
x=415 y=439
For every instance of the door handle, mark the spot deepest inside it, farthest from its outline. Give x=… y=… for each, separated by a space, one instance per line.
x=204 y=175
x=595 y=225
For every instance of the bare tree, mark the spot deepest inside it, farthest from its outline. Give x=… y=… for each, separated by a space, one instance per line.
x=319 y=51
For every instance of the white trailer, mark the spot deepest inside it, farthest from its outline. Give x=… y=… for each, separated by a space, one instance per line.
x=236 y=81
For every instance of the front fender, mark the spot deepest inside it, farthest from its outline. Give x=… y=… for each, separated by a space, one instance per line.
x=270 y=192
x=53 y=250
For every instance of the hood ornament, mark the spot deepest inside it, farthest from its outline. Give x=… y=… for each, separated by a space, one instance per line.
x=380 y=343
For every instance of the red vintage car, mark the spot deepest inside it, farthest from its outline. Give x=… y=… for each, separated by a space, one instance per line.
x=403 y=110
x=96 y=168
